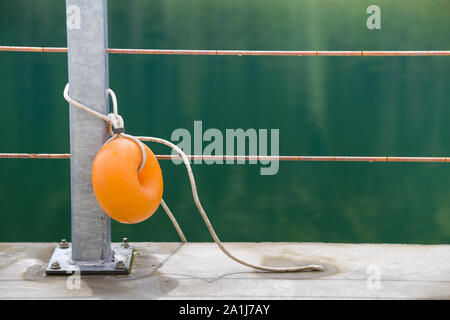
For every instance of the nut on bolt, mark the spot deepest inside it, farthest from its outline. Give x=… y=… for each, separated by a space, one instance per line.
x=120 y=265
x=55 y=265
x=125 y=243
x=63 y=244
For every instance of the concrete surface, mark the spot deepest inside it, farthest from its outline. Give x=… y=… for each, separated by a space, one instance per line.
x=202 y=271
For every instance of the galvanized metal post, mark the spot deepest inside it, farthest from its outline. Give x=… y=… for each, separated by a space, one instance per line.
x=90 y=251
x=87 y=41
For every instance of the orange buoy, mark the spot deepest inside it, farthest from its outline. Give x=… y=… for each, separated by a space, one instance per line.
x=124 y=194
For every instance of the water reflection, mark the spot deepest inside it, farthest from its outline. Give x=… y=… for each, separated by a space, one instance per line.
x=322 y=105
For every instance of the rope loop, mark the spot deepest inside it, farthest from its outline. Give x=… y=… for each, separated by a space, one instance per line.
x=141 y=146
x=114 y=120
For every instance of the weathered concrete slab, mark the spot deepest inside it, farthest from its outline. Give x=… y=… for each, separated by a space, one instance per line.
x=202 y=271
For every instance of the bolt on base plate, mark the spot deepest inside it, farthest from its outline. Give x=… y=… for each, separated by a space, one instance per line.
x=61 y=262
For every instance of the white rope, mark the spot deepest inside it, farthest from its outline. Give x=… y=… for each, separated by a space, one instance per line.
x=208 y=223
x=311 y=267
x=141 y=146
x=174 y=221
x=114 y=100
x=114 y=120
x=83 y=107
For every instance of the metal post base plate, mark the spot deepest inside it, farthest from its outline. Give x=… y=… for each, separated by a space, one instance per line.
x=61 y=263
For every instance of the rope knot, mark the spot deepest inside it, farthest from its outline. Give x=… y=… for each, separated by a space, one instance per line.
x=116 y=122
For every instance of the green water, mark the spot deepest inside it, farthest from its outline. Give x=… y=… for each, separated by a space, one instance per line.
x=397 y=106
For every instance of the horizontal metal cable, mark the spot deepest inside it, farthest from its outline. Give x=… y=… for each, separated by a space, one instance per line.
x=364 y=53
x=34 y=155
x=248 y=158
